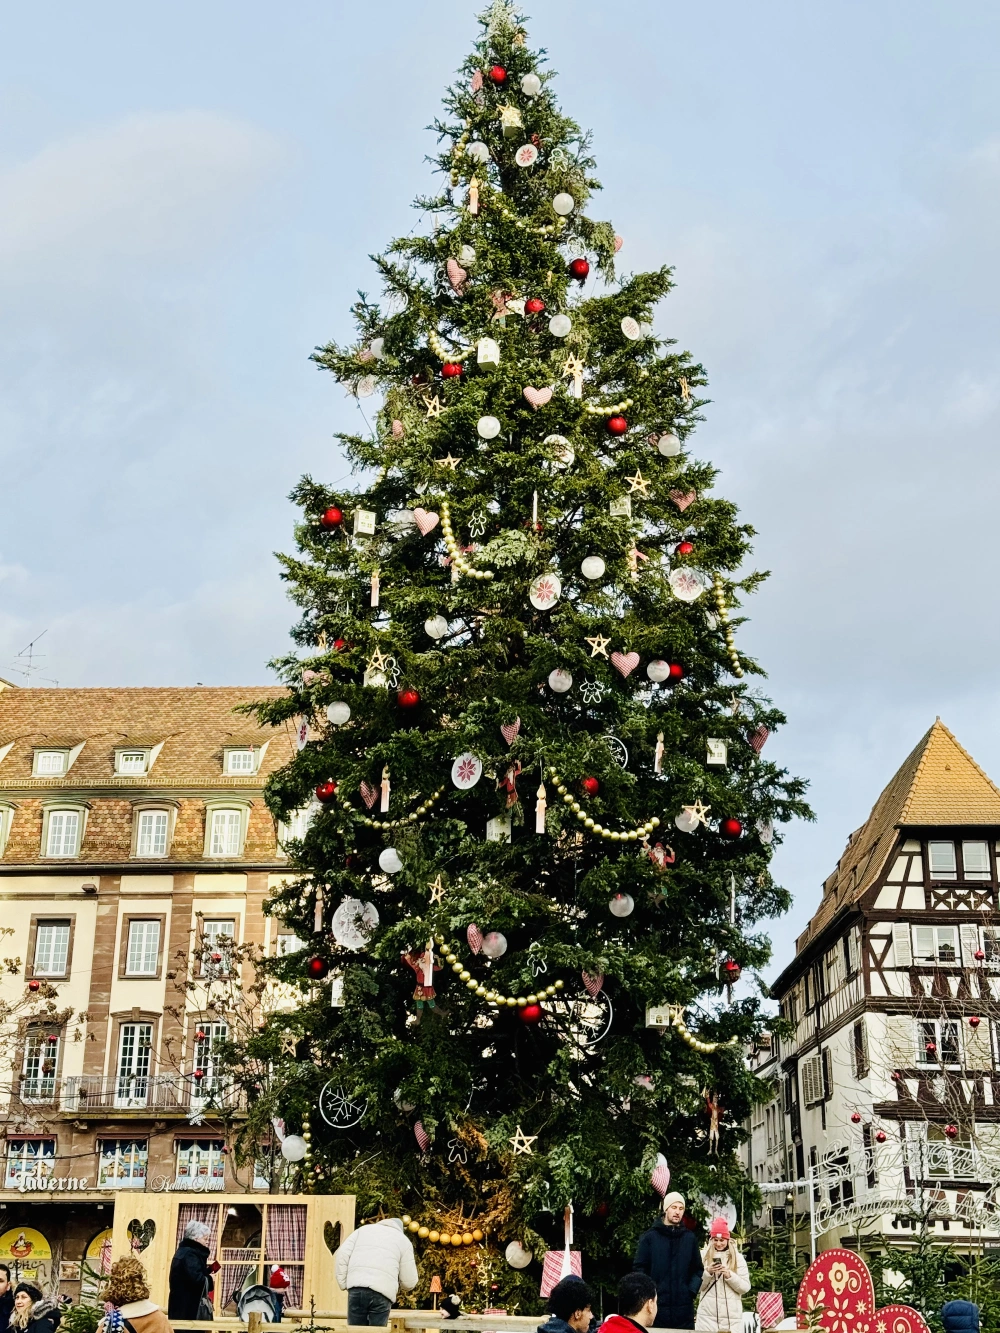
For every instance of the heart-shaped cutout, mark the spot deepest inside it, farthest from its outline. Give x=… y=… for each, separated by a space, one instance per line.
x=456 y=275
x=426 y=520
x=537 y=397
x=475 y=937
x=369 y=794
x=141 y=1234
x=592 y=982
x=683 y=498
x=509 y=730
x=625 y=663
x=331 y=1236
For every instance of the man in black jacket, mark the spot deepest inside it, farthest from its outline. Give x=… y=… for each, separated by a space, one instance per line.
x=6 y=1298
x=191 y=1273
x=669 y=1254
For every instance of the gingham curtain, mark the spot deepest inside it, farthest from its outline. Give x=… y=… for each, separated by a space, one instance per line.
x=285 y=1243
x=199 y=1212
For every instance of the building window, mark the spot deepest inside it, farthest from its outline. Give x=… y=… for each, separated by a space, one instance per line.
x=38 y=1070
x=942 y=855
x=813 y=1090
x=131 y=762
x=151 y=833
x=935 y=944
x=62 y=833
x=975 y=860
x=298 y=822
x=240 y=762
x=51 y=949
x=50 y=763
x=208 y=1039
x=217 y=938
x=226 y=835
x=201 y=1164
x=286 y=942
x=143 y=956
x=122 y=1163
x=6 y=819
x=937 y=1042
x=860 y=1050
x=135 y=1050
x=35 y=1158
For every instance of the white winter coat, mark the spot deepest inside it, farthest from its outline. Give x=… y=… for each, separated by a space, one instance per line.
x=721 y=1305
x=379 y=1256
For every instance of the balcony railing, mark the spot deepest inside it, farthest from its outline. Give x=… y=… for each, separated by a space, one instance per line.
x=79 y=1094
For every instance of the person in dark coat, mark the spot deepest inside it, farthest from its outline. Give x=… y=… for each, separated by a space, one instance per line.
x=571 y=1307
x=668 y=1253
x=191 y=1273
x=33 y=1312
x=6 y=1298
x=960 y=1317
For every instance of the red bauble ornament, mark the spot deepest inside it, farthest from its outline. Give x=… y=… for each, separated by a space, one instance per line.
x=880 y=1136
x=730 y=828
x=531 y=1013
x=579 y=268
x=685 y=548
x=855 y=1117
x=591 y=786
x=534 y=306
x=408 y=698
x=676 y=671
x=451 y=370
x=199 y=1035
x=198 y=1074
x=602 y=1210
x=332 y=518
x=216 y=957
x=974 y=1021
x=896 y=1076
x=951 y=1131
x=930 y=1047
x=34 y=985
x=979 y=955
x=52 y=1038
x=498 y=75
x=617 y=425
x=317 y=968
x=325 y=790
x=731 y=971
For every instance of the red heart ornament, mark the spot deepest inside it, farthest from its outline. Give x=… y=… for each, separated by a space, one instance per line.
x=592 y=982
x=475 y=937
x=537 y=397
x=839 y=1285
x=683 y=498
x=456 y=275
x=509 y=730
x=625 y=663
x=426 y=520
x=421 y=1135
x=369 y=794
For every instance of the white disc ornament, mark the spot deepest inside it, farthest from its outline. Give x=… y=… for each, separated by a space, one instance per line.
x=560 y=680
x=526 y=155
x=377 y=348
x=466 y=770
x=631 y=328
x=531 y=86
x=338 y=713
x=622 y=904
x=544 y=591
x=494 y=944
x=389 y=861
x=467 y=254
x=686 y=584
x=593 y=567
x=560 y=325
x=301 y=732
x=515 y=1253
x=658 y=670
x=478 y=151
x=686 y=821
x=563 y=204
x=366 y=386
x=436 y=626
x=405 y=1106
x=294 y=1147
x=563 y=453
x=488 y=427
x=353 y=923
x=669 y=444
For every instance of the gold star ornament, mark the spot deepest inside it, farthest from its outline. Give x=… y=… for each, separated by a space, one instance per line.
x=637 y=484
x=447 y=461
x=598 y=645
x=522 y=1143
x=437 y=890
x=287 y=1043
x=433 y=405
x=698 y=813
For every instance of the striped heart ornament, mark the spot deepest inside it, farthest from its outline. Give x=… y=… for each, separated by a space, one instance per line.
x=369 y=794
x=510 y=730
x=420 y=1134
x=592 y=982
x=426 y=520
x=456 y=275
x=625 y=663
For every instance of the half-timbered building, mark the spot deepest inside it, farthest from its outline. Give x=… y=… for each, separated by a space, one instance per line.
x=888 y=1090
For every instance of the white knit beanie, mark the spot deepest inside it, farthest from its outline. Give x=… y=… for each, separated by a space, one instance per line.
x=673 y=1197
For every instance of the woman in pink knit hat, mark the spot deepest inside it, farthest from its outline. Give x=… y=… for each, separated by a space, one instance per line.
x=725 y=1283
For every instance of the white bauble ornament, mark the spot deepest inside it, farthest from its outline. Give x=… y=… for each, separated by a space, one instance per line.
x=436 y=627
x=526 y=155
x=338 y=713
x=467 y=254
x=563 y=204
x=353 y=923
x=515 y=1253
x=646 y=330
x=488 y=353
x=563 y=453
x=560 y=325
x=622 y=904
x=544 y=591
x=377 y=348
x=560 y=680
x=466 y=770
x=494 y=944
x=631 y=328
x=592 y=567
x=669 y=444
x=405 y=1107
x=686 y=821
x=294 y=1147
x=658 y=670
x=389 y=861
x=478 y=151
x=531 y=86
x=488 y=428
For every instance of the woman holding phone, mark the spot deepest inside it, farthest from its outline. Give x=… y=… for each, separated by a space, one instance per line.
x=726 y=1282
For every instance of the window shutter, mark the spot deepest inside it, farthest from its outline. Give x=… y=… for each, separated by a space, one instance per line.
x=900 y=1040
x=970 y=943
x=853 y=940
x=813 y=1080
x=977 y=1046
x=901 y=944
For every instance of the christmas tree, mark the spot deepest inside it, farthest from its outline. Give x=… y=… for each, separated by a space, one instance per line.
x=542 y=820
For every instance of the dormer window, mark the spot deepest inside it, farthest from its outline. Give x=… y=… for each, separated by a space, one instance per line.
x=976 y=860
x=241 y=761
x=131 y=762
x=50 y=763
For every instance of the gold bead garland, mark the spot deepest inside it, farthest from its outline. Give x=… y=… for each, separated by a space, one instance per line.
x=608 y=410
x=720 y=602
x=454 y=1238
x=546 y=229
x=632 y=835
x=705 y=1047
x=492 y=997
x=457 y=558
x=411 y=818
x=442 y=352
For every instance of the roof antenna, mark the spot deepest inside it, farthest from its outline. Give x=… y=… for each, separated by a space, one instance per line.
x=27 y=657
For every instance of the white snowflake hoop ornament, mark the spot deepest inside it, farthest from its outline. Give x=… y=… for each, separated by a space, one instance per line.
x=544 y=591
x=466 y=771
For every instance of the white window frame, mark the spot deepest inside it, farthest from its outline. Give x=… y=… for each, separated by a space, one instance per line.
x=230 y=807
x=287 y=942
x=35 y=1157
x=983 y=875
x=55 y=819
x=212 y=930
x=298 y=823
x=38 y=1083
x=155 y=812
x=201 y=1165
x=143 y=926
x=924 y=1057
x=945 y=875
x=59 y=923
x=6 y=820
x=122 y=1163
x=242 y=751
x=134 y=752
x=945 y=938
x=134 y=1076
x=44 y=762
x=206 y=1059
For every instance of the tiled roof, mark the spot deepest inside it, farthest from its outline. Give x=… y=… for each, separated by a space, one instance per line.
x=938 y=784
x=193 y=725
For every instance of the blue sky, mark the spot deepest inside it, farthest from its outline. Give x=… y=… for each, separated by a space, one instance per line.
x=187 y=198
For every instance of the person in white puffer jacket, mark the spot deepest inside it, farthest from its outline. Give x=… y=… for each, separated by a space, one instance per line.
x=725 y=1283
x=371 y=1266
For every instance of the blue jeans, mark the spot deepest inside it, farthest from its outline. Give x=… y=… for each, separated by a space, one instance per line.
x=365 y=1306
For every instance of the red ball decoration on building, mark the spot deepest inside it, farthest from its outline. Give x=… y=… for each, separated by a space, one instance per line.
x=332 y=517
x=730 y=828
x=317 y=968
x=930 y=1047
x=498 y=75
x=951 y=1131
x=408 y=698
x=199 y=1035
x=52 y=1038
x=34 y=985
x=591 y=786
x=896 y=1076
x=617 y=425
x=451 y=370
x=531 y=1014
x=974 y=1021
x=731 y=971
x=198 y=1074
x=534 y=306
x=216 y=957
x=676 y=672
x=685 y=548
x=855 y=1117
x=579 y=268
x=979 y=955
x=880 y=1136
x=325 y=790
